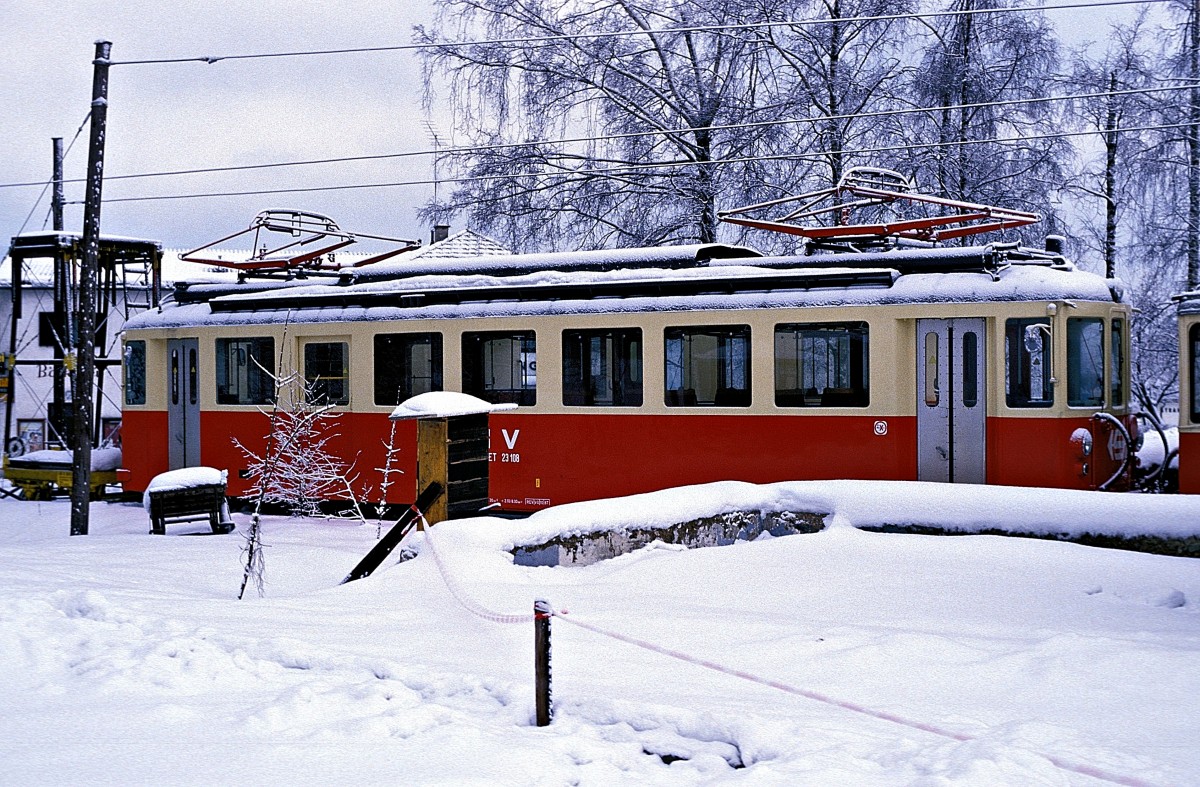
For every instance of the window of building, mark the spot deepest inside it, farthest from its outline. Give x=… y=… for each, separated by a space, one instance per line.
x=500 y=367
x=1085 y=362
x=603 y=368
x=135 y=372
x=51 y=330
x=245 y=370
x=110 y=433
x=406 y=364
x=1116 y=383
x=708 y=366
x=327 y=373
x=32 y=432
x=1027 y=362
x=822 y=365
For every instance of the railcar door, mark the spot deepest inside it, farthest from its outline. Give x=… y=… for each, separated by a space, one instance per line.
x=951 y=400
x=183 y=403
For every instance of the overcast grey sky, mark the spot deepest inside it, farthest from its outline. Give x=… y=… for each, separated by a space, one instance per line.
x=193 y=115
x=181 y=116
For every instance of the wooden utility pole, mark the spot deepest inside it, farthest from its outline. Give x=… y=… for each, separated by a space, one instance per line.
x=56 y=198
x=62 y=313
x=85 y=357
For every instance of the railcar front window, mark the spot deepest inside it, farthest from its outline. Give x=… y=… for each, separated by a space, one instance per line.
x=708 y=366
x=822 y=365
x=246 y=371
x=1027 y=363
x=135 y=372
x=1085 y=362
x=1194 y=363
x=501 y=367
x=1116 y=381
x=406 y=364
x=603 y=367
x=327 y=373
x=932 y=387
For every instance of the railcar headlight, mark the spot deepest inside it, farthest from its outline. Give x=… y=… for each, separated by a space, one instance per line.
x=1082 y=439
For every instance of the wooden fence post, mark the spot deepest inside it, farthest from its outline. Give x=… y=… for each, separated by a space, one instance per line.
x=541 y=661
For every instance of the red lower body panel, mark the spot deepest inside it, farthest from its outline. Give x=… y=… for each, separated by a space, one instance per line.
x=551 y=459
x=143 y=447
x=1040 y=452
x=1189 y=462
x=542 y=460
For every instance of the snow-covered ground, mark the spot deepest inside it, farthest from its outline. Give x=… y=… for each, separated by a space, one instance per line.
x=125 y=658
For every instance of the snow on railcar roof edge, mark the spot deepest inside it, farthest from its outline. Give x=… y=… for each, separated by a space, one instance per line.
x=1187 y=302
x=771 y=284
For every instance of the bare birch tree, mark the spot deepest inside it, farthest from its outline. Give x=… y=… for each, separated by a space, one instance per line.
x=1180 y=145
x=551 y=71
x=834 y=72
x=970 y=62
x=1111 y=181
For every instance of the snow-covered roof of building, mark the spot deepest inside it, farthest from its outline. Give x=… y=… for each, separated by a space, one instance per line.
x=36 y=250
x=465 y=243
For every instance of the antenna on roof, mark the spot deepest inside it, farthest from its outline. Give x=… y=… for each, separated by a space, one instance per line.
x=436 y=141
x=891 y=203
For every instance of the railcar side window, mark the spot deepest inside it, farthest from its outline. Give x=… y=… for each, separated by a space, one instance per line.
x=822 y=365
x=1116 y=382
x=135 y=372
x=1085 y=362
x=175 y=376
x=970 y=369
x=603 y=368
x=1027 y=363
x=245 y=371
x=1194 y=363
x=327 y=373
x=708 y=366
x=500 y=367
x=406 y=364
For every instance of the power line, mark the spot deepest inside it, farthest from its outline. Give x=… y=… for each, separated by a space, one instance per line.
x=627 y=135
x=630 y=168
x=210 y=59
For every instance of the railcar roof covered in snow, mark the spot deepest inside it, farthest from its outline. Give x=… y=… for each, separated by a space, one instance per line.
x=519 y=264
x=982 y=274
x=1188 y=302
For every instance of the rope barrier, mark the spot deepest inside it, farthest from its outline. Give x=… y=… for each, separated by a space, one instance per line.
x=478 y=610
x=1058 y=762
x=467 y=603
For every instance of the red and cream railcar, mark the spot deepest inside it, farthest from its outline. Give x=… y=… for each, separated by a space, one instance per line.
x=1189 y=392
x=641 y=369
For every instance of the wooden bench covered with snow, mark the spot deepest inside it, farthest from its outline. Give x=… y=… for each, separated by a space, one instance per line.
x=188 y=495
